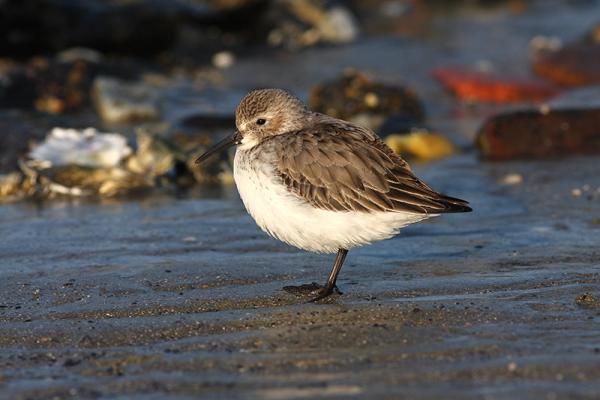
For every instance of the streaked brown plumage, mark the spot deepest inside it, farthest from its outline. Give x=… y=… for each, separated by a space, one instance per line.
x=338 y=166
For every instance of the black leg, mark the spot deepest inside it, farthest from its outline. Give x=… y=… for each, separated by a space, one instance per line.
x=330 y=286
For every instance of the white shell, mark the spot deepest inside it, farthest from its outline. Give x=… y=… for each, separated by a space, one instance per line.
x=85 y=147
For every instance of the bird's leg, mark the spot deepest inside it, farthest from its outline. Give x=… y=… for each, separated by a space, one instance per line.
x=330 y=285
x=315 y=288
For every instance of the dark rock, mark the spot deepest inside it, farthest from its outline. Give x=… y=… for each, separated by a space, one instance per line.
x=474 y=85
x=537 y=134
x=356 y=97
x=295 y=24
x=117 y=101
x=54 y=86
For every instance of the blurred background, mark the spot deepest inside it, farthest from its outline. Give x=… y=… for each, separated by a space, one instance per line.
x=128 y=271
x=164 y=77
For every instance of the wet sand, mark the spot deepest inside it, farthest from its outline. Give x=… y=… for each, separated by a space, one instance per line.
x=182 y=297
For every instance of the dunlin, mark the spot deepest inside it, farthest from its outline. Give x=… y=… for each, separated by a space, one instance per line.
x=322 y=184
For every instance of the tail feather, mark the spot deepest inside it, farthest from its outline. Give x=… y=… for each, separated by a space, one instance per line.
x=454 y=205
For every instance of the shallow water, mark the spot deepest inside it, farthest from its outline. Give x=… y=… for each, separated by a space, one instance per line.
x=179 y=295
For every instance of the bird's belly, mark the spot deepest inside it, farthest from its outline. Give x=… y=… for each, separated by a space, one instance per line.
x=290 y=219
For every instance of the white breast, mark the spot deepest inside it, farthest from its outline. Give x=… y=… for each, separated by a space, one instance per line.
x=290 y=219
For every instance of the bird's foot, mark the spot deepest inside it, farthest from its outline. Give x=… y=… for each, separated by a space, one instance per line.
x=312 y=289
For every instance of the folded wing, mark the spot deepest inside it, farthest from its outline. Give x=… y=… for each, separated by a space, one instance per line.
x=342 y=167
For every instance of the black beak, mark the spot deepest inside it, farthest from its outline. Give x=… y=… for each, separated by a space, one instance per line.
x=226 y=143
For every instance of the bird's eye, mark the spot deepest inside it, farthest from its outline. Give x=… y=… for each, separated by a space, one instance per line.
x=261 y=121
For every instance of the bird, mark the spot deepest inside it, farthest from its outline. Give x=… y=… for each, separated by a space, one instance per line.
x=322 y=184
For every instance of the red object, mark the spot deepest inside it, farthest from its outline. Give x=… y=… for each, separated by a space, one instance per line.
x=469 y=84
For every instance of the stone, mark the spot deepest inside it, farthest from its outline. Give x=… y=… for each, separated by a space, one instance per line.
x=14 y=186
x=540 y=134
x=48 y=85
x=356 y=97
x=57 y=85
x=300 y=23
x=119 y=101
x=155 y=156
x=223 y=59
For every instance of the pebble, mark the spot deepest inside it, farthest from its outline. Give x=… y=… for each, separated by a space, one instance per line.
x=223 y=59
x=512 y=179
x=119 y=101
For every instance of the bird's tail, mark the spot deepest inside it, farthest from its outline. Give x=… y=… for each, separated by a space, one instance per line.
x=454 y=205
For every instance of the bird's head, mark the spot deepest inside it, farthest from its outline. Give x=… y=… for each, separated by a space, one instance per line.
x=261 y=114
x=268 y=112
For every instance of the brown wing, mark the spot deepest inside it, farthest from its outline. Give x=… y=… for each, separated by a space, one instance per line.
x=342 y=167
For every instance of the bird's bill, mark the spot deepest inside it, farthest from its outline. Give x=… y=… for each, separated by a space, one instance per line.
x=226 y=143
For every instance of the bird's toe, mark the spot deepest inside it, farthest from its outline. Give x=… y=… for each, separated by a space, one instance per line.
x=305 y=289
x=312 y=289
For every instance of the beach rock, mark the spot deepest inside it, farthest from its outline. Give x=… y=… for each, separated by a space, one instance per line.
x=476 y=85
x=357 y=98
x=14 y=186
x=155 y=156
x=118 y=101
x=10 y=184
x=46 y=86
x=59 y=84
x=421 y=144
x=299 y=23
x=575 y=64
x=87 y=163
x=76 y=180
x=215 y=170
x=540 y=134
